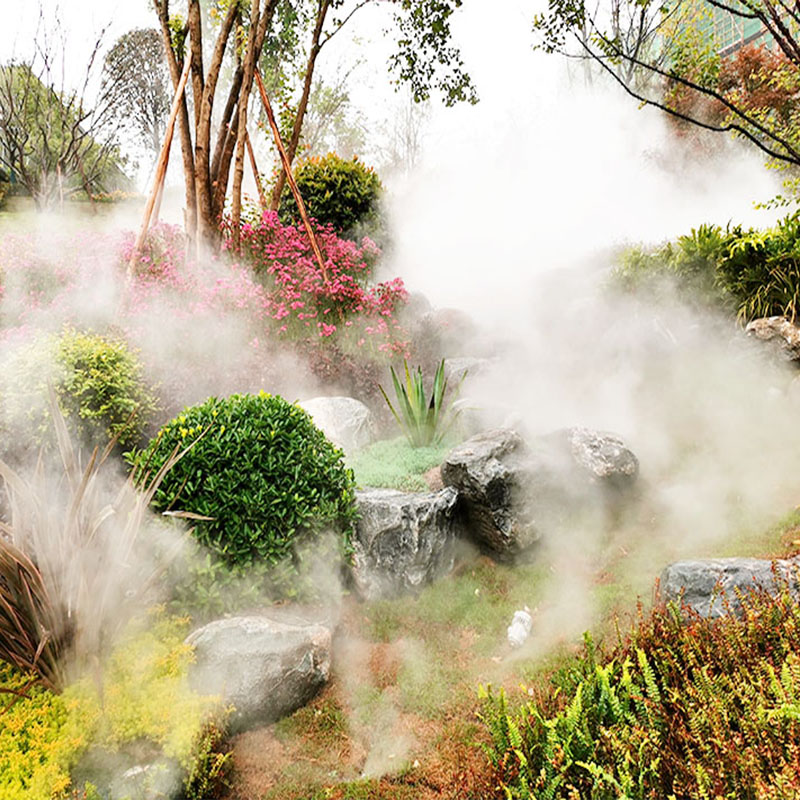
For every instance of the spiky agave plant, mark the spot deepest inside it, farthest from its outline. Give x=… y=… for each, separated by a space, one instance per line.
x=424 y=420
x=68 y=576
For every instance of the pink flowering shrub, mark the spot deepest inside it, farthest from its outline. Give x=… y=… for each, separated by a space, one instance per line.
x=305 y=301
x=162 y=257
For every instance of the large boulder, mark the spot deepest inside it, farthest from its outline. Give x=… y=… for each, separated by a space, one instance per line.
x=782 y=334
x=710 y=586
x=403 y=540
x=347 y=422
x=512 y=493
x=263 y=667
x=489 y=472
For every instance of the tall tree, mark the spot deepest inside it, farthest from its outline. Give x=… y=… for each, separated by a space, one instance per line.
x=681 y=61
x=136 y=79
x=240 y=32
x=52 y=139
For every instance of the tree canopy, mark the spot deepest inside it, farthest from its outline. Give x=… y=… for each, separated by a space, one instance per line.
x=136 y=79
x=51 y=141
x=228 y=41
x=666 y=56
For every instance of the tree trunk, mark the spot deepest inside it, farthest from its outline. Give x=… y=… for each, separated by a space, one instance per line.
x=294 y=141
x=175 y=70
x=229 y=143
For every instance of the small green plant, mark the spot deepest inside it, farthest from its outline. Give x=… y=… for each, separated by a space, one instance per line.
x=336 y=191
x=259 y=479
x=424 y=420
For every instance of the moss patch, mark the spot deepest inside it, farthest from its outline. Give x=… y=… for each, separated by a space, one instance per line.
x=395 y=464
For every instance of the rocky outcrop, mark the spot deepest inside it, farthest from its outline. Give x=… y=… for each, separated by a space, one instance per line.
x=403 y=541
x=710 y=586
x=347 y=422
x=781 y=333
x=264 y=668
x=510 y=493
x=489 y=472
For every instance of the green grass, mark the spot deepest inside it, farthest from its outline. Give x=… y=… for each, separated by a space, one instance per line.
x=322 y=724
x=482 y=599
x=395 y=464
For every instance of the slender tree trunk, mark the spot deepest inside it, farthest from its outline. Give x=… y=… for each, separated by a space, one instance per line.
x=229 y=144
x=262 y=200
x=175 y=70
x=294 y=141
x=247 y=83
x=204 y=104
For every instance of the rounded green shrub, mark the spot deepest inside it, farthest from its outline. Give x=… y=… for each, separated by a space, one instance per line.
x=258 y=471
x=98 y=382
x=337 y=192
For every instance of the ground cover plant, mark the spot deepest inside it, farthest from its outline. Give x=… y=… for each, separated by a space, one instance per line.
x=259 y=477
x=756 y=273
x=682 y=707
x=396 y=464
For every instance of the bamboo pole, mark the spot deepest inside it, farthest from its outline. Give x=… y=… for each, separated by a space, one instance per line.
x=161 y=168
x=290 y=178
x=261 y=198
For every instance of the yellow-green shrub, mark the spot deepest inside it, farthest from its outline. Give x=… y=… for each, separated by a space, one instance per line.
x=41 y=736
x=145 y=696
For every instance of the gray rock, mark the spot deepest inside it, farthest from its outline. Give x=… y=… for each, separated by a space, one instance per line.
x=160 y=780
x=706 y=586
x=347 y=422
x=780 y=332
x=601 y=456
x=129 y=774
x=511 y=493
x=403 y=540
x=265 y=668
x=454 y=368
x=489 y=471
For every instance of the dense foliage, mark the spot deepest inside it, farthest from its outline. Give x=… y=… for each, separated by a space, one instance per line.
x=145 y=698
x=685 y=707
x=98 y=382
x=338 y=303
x=758 y=272
x=336 y=191
x=259 y=472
